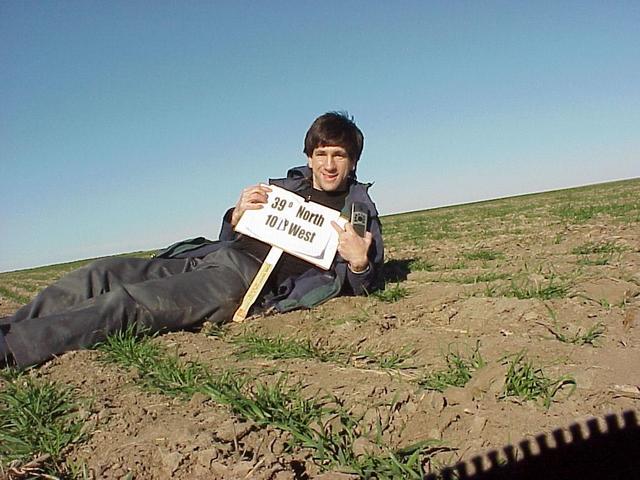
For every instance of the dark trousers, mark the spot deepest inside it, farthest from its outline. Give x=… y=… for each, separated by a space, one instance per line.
x=83 y=307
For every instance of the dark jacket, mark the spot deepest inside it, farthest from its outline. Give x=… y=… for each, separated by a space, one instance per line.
x=316 y=286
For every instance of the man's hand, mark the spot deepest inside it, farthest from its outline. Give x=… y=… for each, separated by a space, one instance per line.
x=352 y=247
x=251 y=198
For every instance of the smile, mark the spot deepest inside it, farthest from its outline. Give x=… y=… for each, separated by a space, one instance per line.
x=330 y=176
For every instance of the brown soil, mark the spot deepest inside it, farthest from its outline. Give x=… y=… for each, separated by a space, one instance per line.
x=158 y=437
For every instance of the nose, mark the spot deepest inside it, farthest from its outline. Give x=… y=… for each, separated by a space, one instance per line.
x=330 y=163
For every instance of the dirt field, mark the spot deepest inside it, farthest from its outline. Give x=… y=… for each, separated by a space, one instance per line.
x=552 y=280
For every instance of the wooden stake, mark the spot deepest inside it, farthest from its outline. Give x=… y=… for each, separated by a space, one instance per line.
x=258 y=282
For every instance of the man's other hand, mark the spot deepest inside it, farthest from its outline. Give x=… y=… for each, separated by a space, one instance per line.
x=352 y=247
x=251 y=198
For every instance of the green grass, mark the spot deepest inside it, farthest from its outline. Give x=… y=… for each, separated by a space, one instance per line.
x=474 y=279
x=387 y=361
x=486 y=277
x=598 y=253
x=158 y=371
x=215 y=330
x=322 y=426
x=599 y=248
x=252 y=345
x=360 y=316
x=276 y=348
x=421 y=265
x=574 y=214
x=430 y=229
x=129 y=348
x=420 y=228
x=31 y=288
x=277 y=404
x=524 y=288
x=406 y=463
x=528 y=382
x=617 y=199
x=13 y=295
x=587 y=338
x=598 y=261
x=580 y=214
x=392 y=294
x=37 y=419
x=482 y=254
x=558 y=238
x=457 y=373
x=167 y=374
x=590 y=337
x=458 y=265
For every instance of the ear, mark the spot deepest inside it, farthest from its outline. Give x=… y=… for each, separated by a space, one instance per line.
x=309 y=162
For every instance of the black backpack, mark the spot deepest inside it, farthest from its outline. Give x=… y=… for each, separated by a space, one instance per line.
x=192 y=247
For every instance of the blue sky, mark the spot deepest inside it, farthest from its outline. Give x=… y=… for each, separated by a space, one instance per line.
x=128 y=125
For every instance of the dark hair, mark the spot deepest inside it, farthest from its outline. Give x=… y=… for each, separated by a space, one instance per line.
x=335 y=128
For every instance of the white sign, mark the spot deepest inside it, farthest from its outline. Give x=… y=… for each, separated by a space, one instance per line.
x=298 y=227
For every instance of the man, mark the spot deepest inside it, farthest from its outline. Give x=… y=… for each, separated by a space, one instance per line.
x=173 y=292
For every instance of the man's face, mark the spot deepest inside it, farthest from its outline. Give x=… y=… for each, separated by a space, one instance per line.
x=331 y=167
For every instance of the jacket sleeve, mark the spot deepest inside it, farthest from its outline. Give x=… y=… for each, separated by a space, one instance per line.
x=226 y=230
x=366 y=282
